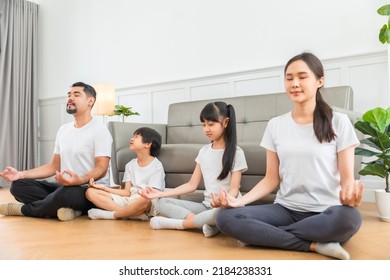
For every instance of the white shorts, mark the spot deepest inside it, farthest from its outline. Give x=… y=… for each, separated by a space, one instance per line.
x=124 y=201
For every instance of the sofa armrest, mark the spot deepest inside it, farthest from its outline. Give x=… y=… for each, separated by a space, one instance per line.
x=121 y=133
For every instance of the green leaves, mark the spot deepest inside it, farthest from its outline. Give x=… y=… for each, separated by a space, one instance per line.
x=384 y=32
x=375 y=124
x=384 y=10
x=123 y=111
x=375 y=170
x=379 y=117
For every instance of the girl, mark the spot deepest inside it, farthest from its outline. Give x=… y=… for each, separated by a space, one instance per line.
x=220 y=163
x=310 y=156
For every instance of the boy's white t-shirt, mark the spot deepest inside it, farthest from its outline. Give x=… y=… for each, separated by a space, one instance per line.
x=308 y=169
x=210 y=161
x=78 y=147
x=152 y=175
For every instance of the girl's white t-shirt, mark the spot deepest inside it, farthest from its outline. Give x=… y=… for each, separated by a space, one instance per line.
x=210 y=161
x=308 y=169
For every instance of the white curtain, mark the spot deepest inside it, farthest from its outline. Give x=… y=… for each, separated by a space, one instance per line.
x=18 y=84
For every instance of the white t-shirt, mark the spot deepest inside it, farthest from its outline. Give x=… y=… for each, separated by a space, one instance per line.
x=152 y=175
x=308 y=170
x=78 y=147
x=210 y=161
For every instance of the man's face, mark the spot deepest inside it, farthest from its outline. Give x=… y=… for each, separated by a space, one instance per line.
x=78 y=100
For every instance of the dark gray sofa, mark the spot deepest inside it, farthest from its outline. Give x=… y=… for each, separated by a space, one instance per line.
x=183 y=135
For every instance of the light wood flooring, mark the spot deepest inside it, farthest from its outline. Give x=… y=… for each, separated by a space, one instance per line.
x=24 y=238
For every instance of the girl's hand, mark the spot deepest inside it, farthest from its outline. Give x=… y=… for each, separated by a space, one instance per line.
x=351 y=194
x=150 y=193
x=225 y=200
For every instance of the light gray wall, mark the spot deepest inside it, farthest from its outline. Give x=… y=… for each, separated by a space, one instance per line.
x=132 y=42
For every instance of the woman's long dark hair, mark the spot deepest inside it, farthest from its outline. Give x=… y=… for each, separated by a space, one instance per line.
x=214 y=112
x=323 y=113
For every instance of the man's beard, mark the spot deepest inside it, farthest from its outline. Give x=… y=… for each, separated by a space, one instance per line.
x=71 y=111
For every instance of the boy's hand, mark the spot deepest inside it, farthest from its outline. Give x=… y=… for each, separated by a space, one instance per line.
x=92 y=184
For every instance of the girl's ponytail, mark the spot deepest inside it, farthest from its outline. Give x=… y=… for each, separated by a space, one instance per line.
x=230 y=142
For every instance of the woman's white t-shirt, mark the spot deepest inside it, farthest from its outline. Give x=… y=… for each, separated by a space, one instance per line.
x=308 y=169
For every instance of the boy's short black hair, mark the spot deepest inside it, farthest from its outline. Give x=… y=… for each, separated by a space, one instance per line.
x=149 y=135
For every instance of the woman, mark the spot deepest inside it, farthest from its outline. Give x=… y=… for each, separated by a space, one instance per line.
x=310 y=156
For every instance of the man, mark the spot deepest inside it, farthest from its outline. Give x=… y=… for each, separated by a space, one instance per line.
x=82 y=151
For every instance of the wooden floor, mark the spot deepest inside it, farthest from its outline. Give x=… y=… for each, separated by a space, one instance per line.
x=23 y=238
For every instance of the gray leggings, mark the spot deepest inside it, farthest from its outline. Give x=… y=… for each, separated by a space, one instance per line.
x=273 y=225
x=179 y=209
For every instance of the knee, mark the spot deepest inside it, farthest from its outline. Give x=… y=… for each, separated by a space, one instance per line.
x=158 y=203
x=90 y=193
x=353 y=219
x=224 y=217
x=161 y=202
x=348 y=218
x=17 y=188
x=144 y=204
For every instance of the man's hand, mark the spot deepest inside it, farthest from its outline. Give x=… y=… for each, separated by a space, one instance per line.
x=67 y=178
x=11 y=174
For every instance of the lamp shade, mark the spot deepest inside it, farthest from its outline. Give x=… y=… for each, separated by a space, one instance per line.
x=105 y=100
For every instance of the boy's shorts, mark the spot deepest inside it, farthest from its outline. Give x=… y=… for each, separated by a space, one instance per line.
x=124 y=201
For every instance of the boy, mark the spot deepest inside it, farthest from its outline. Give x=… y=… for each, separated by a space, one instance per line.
x=144 y=171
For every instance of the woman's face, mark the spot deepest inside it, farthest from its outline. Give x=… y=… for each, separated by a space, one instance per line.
x=301 y=83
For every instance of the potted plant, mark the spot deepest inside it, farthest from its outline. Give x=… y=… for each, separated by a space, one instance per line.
x=375 y=125
x=124 y=111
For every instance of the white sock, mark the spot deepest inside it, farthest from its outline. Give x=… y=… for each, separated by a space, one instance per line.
x=209 y=231
x=96 y=214
x=166 y=223
x=332 y=249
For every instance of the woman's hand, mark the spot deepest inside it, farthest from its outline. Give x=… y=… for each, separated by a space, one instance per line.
x=351 y=194
x=225 y=200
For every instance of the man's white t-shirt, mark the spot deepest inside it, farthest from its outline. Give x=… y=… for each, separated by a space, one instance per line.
x=78 y=147
x=210 y=161
x=308 y=169
x=152 y=175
